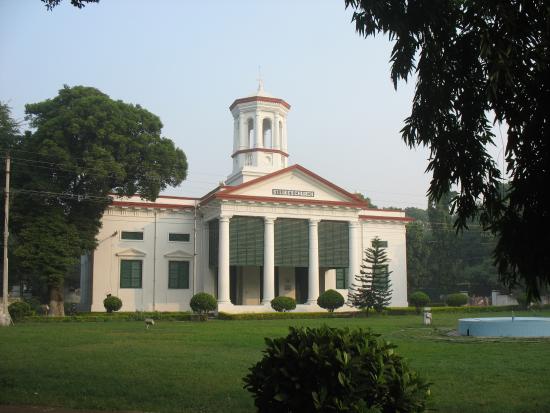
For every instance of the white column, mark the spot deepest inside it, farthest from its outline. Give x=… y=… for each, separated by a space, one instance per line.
x=223 y=261
x=354 y=251
x=258 y=131
x=269 y=261
x=243 y=132
x=313 y=274
x=283 y=137
x=276 y=138
x=236 y=137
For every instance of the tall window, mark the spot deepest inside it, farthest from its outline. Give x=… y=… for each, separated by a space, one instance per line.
x=132 y=235
x=131 y=273
x=267 y=133
x=178 y=274
x=341 y=278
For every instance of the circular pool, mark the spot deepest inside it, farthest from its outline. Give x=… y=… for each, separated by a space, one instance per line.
x=505 y=327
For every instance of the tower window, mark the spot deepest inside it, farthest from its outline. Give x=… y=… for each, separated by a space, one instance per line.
x=267 y=133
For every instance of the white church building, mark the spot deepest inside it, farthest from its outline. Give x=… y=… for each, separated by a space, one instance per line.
x=271 y=229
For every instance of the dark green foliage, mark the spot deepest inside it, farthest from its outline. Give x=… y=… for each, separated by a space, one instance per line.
x=203 y=303
x=418 y=300
x=330 y=300
x=50 y=4
x=9 y=130
x=112 y=303
x=282 y=304
x=475 y=60
x=83 y=146
x=372 y=286
x=456 y=299
x=329 y=369
x=71 y=308
x=19 y=309
x=439 y=261
x=523 y=301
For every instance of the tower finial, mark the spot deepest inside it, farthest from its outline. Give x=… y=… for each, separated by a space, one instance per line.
x=260 y=80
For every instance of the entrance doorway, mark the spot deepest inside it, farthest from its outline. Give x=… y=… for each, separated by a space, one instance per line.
x=301 y=283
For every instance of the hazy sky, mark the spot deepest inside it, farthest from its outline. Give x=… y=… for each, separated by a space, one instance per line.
x=188 y=61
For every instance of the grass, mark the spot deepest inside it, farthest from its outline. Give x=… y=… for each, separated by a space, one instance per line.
x=198 y=367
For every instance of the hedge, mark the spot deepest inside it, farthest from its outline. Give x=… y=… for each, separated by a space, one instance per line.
x=104 y=317
x=283 y=316
x=187 y=316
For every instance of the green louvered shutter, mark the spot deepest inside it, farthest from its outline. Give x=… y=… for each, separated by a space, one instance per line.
x=213 y=243
x=291 y=242
x=246 y=241
x=333 y=244
x=130 y=273
x=178 y=274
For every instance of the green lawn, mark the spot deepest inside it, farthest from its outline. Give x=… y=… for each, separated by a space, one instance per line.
x=198 y=367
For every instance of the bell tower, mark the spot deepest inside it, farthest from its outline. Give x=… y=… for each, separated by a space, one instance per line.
x=259 y=136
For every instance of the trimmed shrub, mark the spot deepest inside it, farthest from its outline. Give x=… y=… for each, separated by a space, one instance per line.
x=281 y=304
x=203 y=303
x=19 y=309
x=456 y=300
x=112 y=303
x=330 y=300
x=418 y=300
x=330 y=369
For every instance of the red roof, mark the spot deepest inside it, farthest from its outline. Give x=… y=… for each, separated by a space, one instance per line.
x=259 y=99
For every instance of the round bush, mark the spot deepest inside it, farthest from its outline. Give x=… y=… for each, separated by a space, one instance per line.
x=456 y=300
x=112 y=303
x=419 y=299
x=282 y=304
x=19 y=309
x=330 y=370
x=202 y=303
x=330 y=300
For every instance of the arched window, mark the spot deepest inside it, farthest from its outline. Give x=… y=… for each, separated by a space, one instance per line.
x=268 y=133
x=250 y=126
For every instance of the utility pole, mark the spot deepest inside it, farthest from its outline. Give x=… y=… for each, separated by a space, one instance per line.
x=5 y=319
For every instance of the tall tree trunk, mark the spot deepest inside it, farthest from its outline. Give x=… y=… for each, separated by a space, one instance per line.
x=56 y=301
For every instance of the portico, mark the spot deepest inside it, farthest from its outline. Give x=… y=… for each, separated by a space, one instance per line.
x=260 y=256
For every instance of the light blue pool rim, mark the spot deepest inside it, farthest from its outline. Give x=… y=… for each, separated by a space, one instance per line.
x=505 y=327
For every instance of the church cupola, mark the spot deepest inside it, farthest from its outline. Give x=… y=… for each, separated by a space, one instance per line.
x=260 y=137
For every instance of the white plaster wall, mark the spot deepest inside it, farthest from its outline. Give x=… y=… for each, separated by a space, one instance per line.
x=106 y=277
x=394 y=233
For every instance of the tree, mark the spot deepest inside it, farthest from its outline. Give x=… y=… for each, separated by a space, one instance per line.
x=47 y=248
x=366 y=199
x=381 y=283
x=85 y=146
x=372 y=287
x=50 y=4
x=9 y=129
x=476 y=60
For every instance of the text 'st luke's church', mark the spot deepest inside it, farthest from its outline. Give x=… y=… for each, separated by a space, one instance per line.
x=270 y=230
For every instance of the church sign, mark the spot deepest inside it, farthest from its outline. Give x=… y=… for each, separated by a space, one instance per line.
x=293 y=192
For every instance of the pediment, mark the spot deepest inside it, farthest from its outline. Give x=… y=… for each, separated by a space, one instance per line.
x=295 y=182
x=131 y=252
x=178 y=254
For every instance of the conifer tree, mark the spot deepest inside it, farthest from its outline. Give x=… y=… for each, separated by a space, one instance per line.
x=372 y=286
